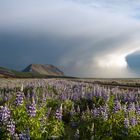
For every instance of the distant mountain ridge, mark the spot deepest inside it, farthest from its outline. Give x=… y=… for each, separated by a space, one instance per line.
x=32 y=71
x=4 y=72
x=44 y=69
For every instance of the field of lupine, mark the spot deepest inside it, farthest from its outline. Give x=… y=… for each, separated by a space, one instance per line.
x=68 y=110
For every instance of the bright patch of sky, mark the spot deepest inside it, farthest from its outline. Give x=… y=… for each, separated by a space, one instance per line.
x=123 y=7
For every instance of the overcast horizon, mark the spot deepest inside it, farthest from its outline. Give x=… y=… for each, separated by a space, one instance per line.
x=84 y=38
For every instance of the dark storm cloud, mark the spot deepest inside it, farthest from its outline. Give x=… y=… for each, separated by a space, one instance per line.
x=133 y=61
x=19 y=50
x=84 y=38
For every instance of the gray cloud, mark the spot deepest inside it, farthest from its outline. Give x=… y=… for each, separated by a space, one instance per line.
x=85 y=39
x=133 y=61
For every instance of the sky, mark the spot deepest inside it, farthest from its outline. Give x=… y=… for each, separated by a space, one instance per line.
x=84 y=38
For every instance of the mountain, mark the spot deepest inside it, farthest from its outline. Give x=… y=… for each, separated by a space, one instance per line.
x=4 y=72
x=32 y=71
x=44 y=69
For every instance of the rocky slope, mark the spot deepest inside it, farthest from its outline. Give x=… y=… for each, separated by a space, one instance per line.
x=44 y=69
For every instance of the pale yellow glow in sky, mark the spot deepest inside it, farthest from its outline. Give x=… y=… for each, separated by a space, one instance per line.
x=117 y=58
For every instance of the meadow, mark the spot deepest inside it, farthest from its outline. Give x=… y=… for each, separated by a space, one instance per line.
x=66 y=109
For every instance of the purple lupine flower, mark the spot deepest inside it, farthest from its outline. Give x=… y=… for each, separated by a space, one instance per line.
x=133 y=121
x=27 y=133
x=4 y=114
x=19 y=99
x=131 y=107
x=44 y=97
x=32 y=110
x=117 y=106
x=138 y=111
x=106 y=96
x=126 y=123
x=137 y=106
x=62 y=96
x=133 y=97
x=11 y=127
x=16 y=137
x=104 y=112
x=58 y=114
x=125 y=98
x=95 y=112
x=5 y=98
x=23 y=136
